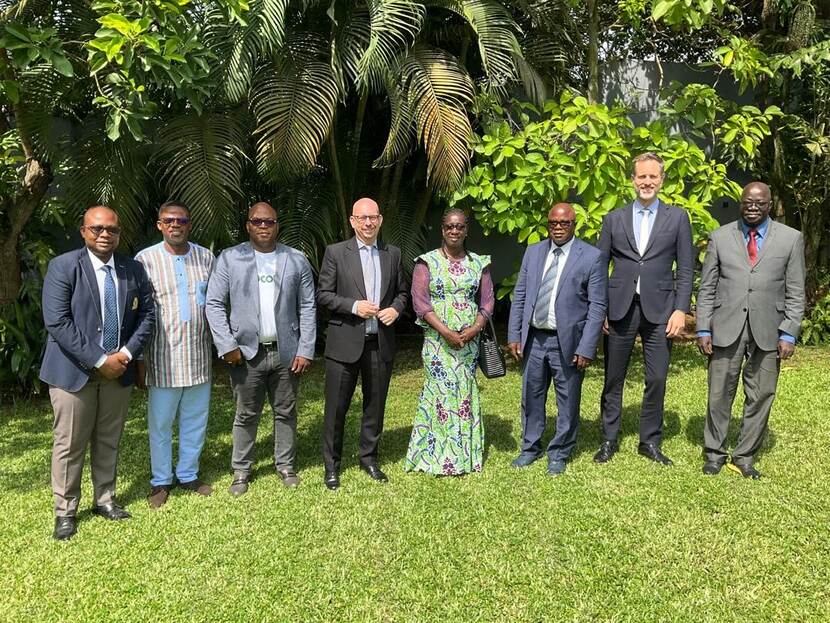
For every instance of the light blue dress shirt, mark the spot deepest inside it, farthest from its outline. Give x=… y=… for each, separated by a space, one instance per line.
x=638 y=218
x=370 y=260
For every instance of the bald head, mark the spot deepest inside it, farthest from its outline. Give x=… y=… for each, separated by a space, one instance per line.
x=757 y=187
x=365 y=203
x=96 y=212
x=561 y=222
x=262 y=208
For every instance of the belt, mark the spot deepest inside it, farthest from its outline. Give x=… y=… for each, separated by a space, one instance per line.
x=636 y=298
x=371 y=337
x=268 y=345
x=545 y=331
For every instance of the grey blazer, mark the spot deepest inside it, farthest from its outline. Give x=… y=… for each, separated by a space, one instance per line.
x=232 y=305
x=769 y=295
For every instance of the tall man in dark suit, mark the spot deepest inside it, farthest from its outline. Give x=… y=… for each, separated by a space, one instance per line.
x=556 y=319
x=645 y=240
x=98 y=309
x=749 y=312
x=362 y=284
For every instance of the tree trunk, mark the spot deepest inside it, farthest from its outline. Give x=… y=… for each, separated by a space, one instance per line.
x=355 y=151
x=593 y=51
x=36 y=180
x=338 y=184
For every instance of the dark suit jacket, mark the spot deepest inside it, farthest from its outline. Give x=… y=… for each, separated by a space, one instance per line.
x=580 y=301
x=661 y=290
x=341 y=284
x=74 y=320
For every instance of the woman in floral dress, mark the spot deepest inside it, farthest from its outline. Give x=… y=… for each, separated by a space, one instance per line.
x=448 y=433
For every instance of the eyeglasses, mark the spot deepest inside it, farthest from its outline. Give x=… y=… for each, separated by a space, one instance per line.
x=97 y=230
x=262 y=222
x=755 y=204
x=562 y=224
x=169 y=220
x=455 y=226
x=372 y=218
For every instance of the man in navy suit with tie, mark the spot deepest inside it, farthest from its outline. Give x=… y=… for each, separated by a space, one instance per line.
x=556 y=319
x=649 y=294
x=99 y=313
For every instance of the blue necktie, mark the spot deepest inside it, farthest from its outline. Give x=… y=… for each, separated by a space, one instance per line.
x=545 y=296
x=110 y=313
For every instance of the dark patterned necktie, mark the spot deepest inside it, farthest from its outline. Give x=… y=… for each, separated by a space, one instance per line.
x=110 y=313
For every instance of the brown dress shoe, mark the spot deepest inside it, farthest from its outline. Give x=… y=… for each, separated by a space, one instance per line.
x=158 y=496
x=197 y=486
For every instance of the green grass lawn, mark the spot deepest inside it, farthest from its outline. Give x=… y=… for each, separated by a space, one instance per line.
x=627 y=541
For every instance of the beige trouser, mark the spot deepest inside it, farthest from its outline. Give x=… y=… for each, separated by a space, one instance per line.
x=94 y=415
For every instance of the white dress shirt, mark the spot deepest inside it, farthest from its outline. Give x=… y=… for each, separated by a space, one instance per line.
x=100 y=276
x=566 y=249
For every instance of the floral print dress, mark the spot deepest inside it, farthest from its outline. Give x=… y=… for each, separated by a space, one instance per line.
x=448 y=432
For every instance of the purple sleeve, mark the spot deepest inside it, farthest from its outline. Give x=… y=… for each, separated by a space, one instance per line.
x=488 y=301
x=421 y=302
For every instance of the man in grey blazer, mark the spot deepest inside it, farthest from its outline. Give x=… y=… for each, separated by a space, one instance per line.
x=261 y=310
x=555 y=322
x=649 y=294
x=749 y=312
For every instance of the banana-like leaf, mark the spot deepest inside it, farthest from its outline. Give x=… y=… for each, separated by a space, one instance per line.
x=111 y=173
x=202 y=159
x=293 y=101
x=496 y=32
x=394 y=26
x=439 y=90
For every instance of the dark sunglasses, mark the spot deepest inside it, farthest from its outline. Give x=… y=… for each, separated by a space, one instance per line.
x=262 y=222
x=562 y=224
x=180 y=220
x=456 y=226
x=97 y=230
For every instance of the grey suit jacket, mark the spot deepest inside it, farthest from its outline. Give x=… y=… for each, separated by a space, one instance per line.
x=580 y=301
x=232 y=305
x=661 y=290
x=769 y=295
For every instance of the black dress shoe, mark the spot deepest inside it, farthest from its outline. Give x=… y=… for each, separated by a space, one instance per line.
x=374 y=473
x=712 y=468
x=65 y=528
x=111 y=511
x=606 y=451
x=332 y=480
x=652 y=451
x=746 y=470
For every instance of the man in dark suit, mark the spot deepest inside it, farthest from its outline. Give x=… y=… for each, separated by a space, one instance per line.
x=645 y=240
x=556 y=319
x=99 y=312
x=749 y=312
x=362 y=284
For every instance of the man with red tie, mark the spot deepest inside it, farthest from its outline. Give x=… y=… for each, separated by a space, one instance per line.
x=749 y=312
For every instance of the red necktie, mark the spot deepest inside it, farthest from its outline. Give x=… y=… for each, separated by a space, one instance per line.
x=752 y=246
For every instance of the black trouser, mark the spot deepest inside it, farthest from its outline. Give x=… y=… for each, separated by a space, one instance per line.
x=341 y=380
x=656 y=353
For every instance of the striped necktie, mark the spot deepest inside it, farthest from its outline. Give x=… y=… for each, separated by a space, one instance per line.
x=545 y=296
x=110 y=313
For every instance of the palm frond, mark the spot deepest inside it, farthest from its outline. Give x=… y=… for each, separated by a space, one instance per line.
x=401 y=129
x=351 y=38
x=202 y=159
x=400 y=229
x=533 y=83
x=496 y=32
x=293 y=101
x=41 y=89
x=438 y=91
x=394 y=26
x=111 y=173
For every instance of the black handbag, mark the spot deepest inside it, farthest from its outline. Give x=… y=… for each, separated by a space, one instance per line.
x=490 y=358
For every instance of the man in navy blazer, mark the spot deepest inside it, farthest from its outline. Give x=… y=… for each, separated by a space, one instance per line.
x=649 y=294
x=556 y=319
x=99 y=313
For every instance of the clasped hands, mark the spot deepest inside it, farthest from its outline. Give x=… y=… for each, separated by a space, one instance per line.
x=578 y=360
x=368 y=309
x=114 y=366
x=459 y=339
x=234 y=358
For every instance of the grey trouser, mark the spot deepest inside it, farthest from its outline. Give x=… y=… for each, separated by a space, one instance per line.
x=760 y=376
x=94 y=416
x=253 y=381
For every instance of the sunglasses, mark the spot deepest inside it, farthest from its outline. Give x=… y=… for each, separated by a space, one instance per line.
x=262 y=222
x=97 y=230
x=455 y=226
x=562 y=224
x=179 y=220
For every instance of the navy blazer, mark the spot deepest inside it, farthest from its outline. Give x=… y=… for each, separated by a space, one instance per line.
x=670 y=242
x=73 y=318
x=580 y=303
